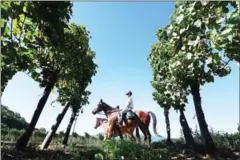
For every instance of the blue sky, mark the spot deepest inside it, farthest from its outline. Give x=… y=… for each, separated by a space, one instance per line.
x=122 y=35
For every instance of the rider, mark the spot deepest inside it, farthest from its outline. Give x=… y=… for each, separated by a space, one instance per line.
x=129 y=106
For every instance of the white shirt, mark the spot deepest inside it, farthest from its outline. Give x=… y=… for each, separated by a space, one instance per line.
x=129 y=102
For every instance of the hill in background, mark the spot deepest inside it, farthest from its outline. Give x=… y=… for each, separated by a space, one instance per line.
x=11 y=119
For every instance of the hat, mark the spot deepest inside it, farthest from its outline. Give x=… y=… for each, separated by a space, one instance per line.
x=129 y=93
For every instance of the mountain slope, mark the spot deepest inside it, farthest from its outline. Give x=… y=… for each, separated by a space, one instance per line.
x=12 y=119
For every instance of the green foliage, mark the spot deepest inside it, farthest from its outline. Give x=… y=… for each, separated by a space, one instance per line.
x=12 y=131
x=43 y=130
x=100 y=136
x=227 y=37
x=38 y=38
x=223 y=140
x=25 y=28
x=112 y=150
x=183 y=54
x=83 y=152
x=75 y=134
x=40 y=133
x=119 y=149
x=10 y=119
x=84 y=148
x=13 y=126
x=188 y=54
x=226 y=140
x=65 y=62
x=61 y=133
x=76 y=73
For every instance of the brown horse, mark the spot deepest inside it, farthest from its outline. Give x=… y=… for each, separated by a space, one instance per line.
x=124 y=130
x=141 y=120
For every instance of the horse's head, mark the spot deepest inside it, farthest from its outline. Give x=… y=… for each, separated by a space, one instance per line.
x=99 y=121
x=100 y=107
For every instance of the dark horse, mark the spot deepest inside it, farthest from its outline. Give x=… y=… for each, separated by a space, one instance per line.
x=141 y=120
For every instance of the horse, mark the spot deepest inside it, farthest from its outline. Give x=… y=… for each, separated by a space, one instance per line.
x=124 y=130
x=141 y=120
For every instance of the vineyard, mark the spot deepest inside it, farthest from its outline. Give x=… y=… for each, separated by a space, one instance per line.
x=198 y=45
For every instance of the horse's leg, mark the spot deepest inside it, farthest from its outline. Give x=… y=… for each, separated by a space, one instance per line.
x=110 y=129
x=119 y=131
x=147 y=129
x=142 y=127
x=149 y=136
x=133 y=138
x=105 y=137
x=106 y=134
x=130 y=133
x=137 y=134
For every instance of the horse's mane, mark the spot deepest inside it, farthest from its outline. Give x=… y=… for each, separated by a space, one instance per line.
x=108 y=106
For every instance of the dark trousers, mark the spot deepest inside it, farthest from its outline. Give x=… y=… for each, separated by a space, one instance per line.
x=124 y=112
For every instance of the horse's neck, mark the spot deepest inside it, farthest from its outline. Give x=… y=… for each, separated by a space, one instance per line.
x=106 y=114
x=104 y=124
x=109 y=112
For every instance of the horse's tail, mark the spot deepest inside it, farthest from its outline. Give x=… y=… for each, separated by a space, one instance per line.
x=154 y=123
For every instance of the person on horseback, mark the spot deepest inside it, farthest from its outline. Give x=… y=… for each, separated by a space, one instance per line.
x=129 y=106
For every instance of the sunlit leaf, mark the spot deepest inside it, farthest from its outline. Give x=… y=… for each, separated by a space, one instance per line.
x=179 y=18
x=198 y=23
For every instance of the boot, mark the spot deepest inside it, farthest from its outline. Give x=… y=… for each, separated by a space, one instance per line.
x=125 y=121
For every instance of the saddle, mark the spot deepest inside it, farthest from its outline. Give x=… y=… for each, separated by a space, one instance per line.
x=130 y=115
